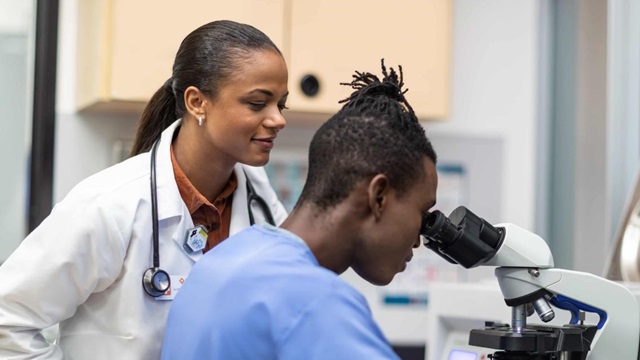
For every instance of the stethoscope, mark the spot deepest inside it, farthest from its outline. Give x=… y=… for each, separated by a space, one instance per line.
x=156 y=281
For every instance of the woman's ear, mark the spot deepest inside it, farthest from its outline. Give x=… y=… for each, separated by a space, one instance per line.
x=194 y=101
x=378 y=193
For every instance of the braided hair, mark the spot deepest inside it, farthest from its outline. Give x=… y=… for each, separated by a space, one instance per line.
x=375 y=132
x=367 y=86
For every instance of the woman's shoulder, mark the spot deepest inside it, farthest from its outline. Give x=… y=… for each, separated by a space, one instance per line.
x=118 y=181
x=113 y=194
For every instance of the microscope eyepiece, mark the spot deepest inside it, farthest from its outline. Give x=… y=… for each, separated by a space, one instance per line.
x=462 y=238
x=436 y=227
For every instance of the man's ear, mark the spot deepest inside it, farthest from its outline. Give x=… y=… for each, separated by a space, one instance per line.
x=378 y=192
x=194 y=101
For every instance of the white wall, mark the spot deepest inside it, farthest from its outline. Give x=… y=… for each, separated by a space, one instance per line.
x=16 y=16
x=16 y=68
x=623 y=127
x=495 y=91
x=84 y=146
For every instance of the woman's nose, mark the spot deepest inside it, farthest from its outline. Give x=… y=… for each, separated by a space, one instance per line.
x=276 y=121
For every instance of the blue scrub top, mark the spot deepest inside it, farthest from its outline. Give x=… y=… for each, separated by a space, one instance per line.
x=261 y=294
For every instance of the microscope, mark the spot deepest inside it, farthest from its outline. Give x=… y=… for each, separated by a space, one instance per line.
x=529 y=283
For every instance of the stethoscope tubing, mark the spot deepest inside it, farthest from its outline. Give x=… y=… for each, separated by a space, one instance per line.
x=253 y=196
x=154 y=207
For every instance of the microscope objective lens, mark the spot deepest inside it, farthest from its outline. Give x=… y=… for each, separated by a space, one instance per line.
x=543 y=309
x=518 y=318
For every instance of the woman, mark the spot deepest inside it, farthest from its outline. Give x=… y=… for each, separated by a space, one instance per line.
x=93 y=265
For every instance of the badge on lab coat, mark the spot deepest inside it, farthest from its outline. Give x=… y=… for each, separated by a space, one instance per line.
x=176 y=284
x=195 y=239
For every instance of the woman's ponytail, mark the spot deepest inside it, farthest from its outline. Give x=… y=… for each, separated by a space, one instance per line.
x=159 y=113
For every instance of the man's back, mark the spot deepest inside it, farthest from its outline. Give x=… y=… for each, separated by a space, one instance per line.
x=262 y=295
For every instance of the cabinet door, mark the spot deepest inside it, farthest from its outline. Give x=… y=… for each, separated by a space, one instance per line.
x=332 y=38
x=146 y=34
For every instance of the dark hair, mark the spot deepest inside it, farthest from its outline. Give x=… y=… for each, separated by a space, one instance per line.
x=205 y=59
x=375 y=132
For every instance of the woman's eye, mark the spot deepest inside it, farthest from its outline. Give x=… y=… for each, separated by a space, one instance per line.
x=282 y=107
x=257 y=106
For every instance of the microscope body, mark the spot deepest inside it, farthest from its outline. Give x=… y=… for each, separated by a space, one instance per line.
x=529 y=282
x=618 y=329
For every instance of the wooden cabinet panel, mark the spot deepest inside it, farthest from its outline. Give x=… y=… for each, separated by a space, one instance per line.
x=126 y=48
x=139 y=39
x=332 y=38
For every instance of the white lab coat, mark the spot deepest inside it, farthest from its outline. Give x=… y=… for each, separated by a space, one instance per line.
x=82 y=267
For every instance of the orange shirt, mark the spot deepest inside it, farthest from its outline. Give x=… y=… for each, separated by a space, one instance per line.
x=215 y=217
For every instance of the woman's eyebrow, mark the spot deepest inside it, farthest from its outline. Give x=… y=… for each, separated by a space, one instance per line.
x=264 y=91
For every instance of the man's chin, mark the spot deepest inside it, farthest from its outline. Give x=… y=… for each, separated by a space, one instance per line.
x=378 y=280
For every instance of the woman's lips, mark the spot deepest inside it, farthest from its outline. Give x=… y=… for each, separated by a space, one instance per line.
x=265 y=143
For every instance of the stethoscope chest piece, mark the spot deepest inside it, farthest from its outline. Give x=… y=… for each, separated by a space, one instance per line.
x=156 y=281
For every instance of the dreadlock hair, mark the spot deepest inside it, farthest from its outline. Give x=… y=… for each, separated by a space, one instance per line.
x=375 y=132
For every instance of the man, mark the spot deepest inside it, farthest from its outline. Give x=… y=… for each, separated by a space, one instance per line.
x=275 y=293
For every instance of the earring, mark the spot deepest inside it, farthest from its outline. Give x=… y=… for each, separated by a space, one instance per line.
x=200 y=120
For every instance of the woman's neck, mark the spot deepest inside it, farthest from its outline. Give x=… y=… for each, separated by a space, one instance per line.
x=206 y=171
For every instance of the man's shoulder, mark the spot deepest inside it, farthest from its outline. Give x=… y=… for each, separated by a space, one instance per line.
x=271 y=265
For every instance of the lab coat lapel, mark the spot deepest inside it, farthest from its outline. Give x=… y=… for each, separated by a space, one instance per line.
x=239 y=210
x=185 y=225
